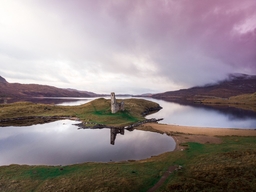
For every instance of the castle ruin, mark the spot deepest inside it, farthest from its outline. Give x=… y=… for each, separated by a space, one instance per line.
x=114 y=132
x=115 y=106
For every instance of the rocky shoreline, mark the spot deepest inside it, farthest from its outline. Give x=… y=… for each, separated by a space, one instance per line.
x=100 y=126
x=84 y=125
x=32 y=120
x=151 y=110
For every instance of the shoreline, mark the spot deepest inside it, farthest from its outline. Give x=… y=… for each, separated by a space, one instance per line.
x=202 y=130
x=183 y=134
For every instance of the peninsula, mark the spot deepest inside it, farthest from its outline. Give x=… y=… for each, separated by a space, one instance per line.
x=95 y=113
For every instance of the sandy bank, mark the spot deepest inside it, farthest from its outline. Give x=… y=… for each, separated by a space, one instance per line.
x=183 y=134
x=202 y=130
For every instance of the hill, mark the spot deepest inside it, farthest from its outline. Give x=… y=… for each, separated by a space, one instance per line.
x=235 y=84
x=17 y=90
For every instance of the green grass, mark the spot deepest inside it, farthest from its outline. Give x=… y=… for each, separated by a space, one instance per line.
x=95 y=112
x=98 y=111
x=229 y=166
x=124 y=176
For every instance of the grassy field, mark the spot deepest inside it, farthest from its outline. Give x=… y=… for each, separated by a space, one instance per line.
x=96 y=112
x=124 y=176
x=229 y=166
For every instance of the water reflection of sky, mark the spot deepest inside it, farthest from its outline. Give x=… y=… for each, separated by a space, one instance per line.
x=77 y=101
x=80 y=101
x=174 y=113
x=61 y=143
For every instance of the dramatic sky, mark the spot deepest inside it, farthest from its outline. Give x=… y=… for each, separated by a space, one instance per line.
x=126 y=46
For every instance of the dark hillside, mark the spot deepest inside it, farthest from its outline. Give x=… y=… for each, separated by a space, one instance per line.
x=17 y=90
x=236 y=84
x=2 y=80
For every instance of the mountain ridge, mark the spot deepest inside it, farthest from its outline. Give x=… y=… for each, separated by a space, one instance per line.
x=235 y=84
x=3 y=80
x=18 y=90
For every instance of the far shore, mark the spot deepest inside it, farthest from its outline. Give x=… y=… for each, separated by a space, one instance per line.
x=183 y=134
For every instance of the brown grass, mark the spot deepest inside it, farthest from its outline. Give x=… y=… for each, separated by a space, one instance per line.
x=95 y=112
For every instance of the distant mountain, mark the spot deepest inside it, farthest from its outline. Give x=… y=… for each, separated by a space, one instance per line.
x=144 y=95
x=235 y=84
x=123 y=95
x=85 y=92
x=17 y=90
x=2 y=80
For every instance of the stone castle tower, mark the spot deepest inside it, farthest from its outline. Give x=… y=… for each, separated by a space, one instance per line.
x=115 y=106
x=113 y=103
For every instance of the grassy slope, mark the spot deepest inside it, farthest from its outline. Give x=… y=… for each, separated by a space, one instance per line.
x=126 y=176
x=229 y=166
x=17 y=90
x=97 y=111
x=246 y=101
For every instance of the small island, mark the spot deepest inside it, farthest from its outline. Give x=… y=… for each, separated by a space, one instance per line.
x=96 y=113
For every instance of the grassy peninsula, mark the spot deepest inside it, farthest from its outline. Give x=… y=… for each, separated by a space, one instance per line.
x=95 y=112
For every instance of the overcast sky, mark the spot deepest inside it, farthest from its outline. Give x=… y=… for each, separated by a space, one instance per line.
x=126 y=46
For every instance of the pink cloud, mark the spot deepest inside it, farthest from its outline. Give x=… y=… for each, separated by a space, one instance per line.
x=175 y=35
x=188 y=42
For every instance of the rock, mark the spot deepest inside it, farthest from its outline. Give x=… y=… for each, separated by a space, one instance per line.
x=151 y=110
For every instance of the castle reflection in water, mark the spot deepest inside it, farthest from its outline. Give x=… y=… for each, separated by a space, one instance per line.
x=114 y=132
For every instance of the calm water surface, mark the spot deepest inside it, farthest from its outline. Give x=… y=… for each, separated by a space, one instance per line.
x=61 y=143
x=204 y=116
